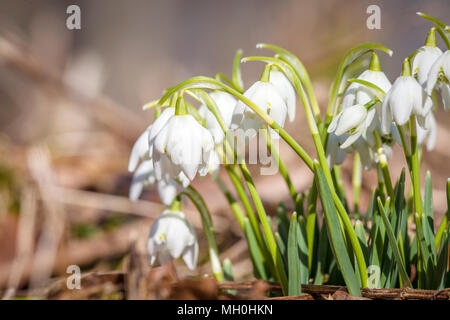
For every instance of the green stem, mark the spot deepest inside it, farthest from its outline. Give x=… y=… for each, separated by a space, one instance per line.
x=384 y=167
x=208 y=227
x=283 y=171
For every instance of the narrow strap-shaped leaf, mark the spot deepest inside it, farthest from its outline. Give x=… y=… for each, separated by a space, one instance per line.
x=255 y=251
x=302 y=243
x=293 y=267
x=428 y=223
x=393 y=242
x=228 y=270
x=336 y=238
x=361 y=234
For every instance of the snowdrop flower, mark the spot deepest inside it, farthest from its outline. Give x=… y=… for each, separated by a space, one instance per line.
x=405 y=98
x=140 y=150
x=354 y=121
x=357 y=93
x=429 y=134
x=185 y=143
x=439 y=77
x=157 y=125
x=171 y=237
x=266 y=97
x=425 y=57
x=144 y=176
x=286 y=91
x=335 y=155
x=225 y=104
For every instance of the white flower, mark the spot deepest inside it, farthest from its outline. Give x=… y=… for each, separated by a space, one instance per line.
x=185 y=143
x=429 y=133
x=144 y=176
x=354 y=121
x=335 y=155
x=439 y=77
x=423 y=61
x=357 y=93
x=140 y=150
x=225 y=104
x=405 y=98
x=157 y=125
x=286 y=91
x=171 y=237
x=267 y=98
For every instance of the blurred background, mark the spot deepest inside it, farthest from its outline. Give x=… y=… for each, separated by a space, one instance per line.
x=70 y=110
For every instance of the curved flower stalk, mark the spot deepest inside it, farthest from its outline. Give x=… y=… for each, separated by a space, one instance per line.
x=439 y=78
x=425 y=57
x=404 y=99
x=171 y=237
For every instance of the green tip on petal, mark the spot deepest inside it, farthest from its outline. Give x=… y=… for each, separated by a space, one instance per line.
x=406 y=68
x=374 y=63
x=431 y=38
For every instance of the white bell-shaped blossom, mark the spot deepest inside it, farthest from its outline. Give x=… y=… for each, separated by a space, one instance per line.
x=185 y=143
x=266 y=97
x=405 y=98
x=354 y=121
x=225 y=104
x=286 y=91
x=171 y=237
x=425 y=57
x=357 y=93
x=335 y=155
x=428 y=134
x=439 y=77
x=144 y=176
x=157 y=125
x=140 y=150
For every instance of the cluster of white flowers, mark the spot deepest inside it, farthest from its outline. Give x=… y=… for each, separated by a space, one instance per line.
x=171 y=151
x=362 y=115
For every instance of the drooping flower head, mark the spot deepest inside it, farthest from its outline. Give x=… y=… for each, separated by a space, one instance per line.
x=404 y=99
x=171 y=237
x=266 y=96
x=286 y=91
x=439 y=78
x=425 y=57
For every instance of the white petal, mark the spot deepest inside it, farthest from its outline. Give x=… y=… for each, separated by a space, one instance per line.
x=286 y=90
x=351 y=118
x=423 y=61
x=386 y=116
x=139 y=151
x=403 y=97
x=143 y=173
x=190 y=256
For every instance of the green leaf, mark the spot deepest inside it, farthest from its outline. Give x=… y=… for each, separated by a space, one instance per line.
x=255 y=251
x=293 y=267
x=361 y=234
x=393 y=242
x=228 y=270
x=429 y=215
x=335 y=235
x=302 y=243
